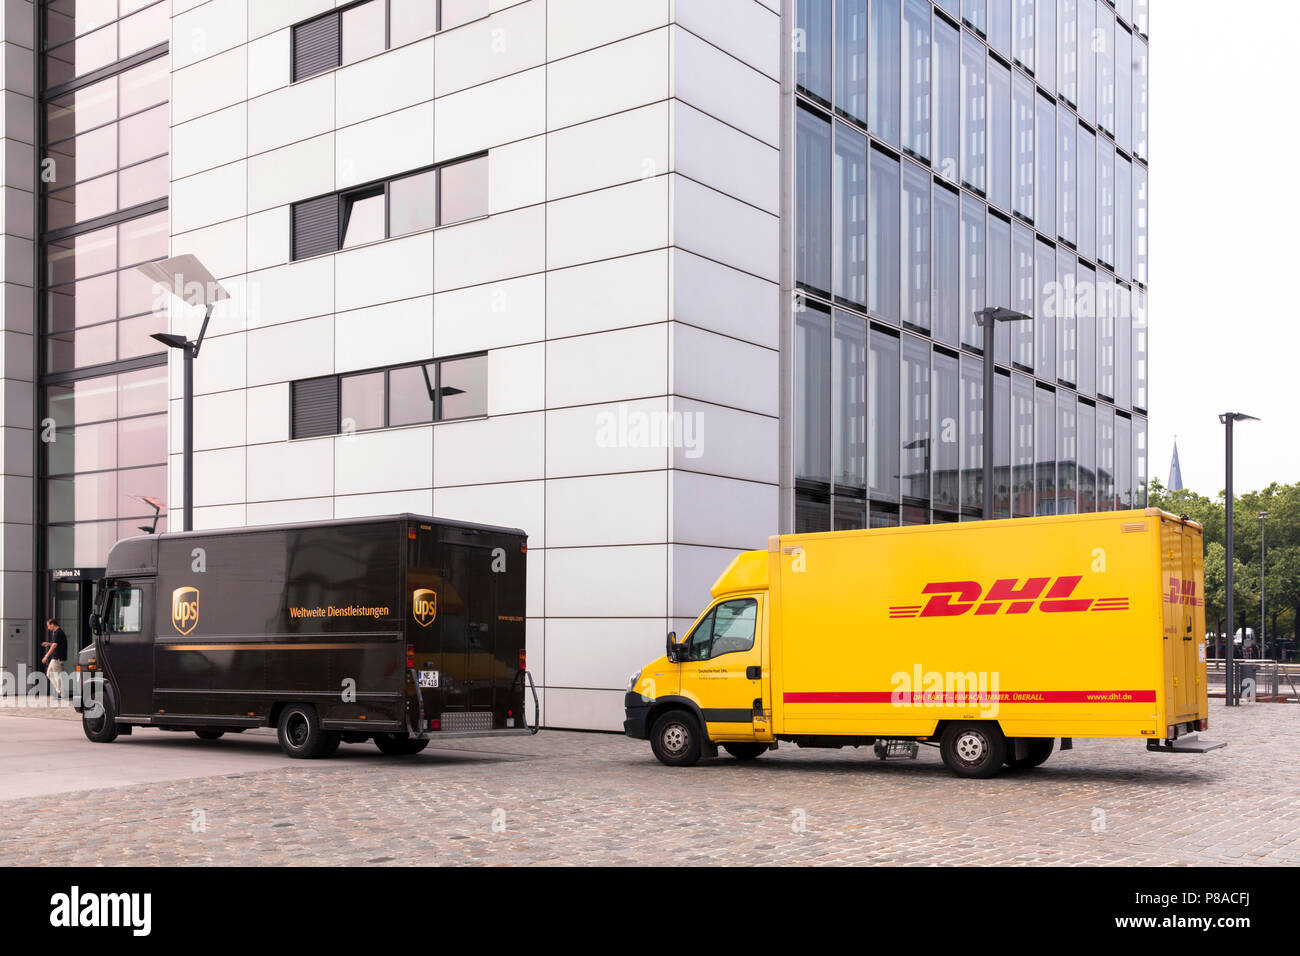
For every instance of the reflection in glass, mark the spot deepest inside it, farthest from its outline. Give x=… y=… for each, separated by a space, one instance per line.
x=849 y=209
x=463 y=387
x=361 y=402
x=411 y=392
x=849 y=400
x=883 y=416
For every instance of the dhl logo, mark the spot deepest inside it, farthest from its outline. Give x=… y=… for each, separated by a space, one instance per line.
x=424 y=606
x=954 y=598
x=185 y=609
x=1183 y=592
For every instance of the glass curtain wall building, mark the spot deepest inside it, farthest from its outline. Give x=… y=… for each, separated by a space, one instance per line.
x=103 y=84
x=953 y=155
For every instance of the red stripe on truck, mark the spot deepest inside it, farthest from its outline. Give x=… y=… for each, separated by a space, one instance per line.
x=974 y=697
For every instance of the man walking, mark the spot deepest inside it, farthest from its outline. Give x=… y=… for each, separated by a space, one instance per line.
x=56 y=652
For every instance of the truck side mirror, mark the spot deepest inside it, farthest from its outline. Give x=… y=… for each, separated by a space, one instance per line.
x=96 y=625
x=674 y=649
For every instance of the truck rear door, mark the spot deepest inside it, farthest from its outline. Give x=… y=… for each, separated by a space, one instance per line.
x=1183 y=579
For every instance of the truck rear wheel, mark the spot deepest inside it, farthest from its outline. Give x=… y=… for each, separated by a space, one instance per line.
x=973 y=749
x=300 y=732
x=400 y=745
x=103 y=728
x=675 y=739
x=745 y=751
x=1040 y=748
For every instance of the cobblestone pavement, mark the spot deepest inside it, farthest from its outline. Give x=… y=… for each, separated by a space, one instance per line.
x=575 y=798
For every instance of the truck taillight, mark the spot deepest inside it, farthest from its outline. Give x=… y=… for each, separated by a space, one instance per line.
x=435 y=724
x=523 y=659
x=410 y=655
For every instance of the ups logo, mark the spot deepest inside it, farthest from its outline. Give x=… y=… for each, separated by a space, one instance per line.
x=185 y=609
x=424 y=606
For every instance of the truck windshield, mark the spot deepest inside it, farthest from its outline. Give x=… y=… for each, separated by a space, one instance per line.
x=726 y=629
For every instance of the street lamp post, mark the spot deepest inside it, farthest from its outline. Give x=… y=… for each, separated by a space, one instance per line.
x=987 y=319
x=188 y=280
x=1229 y=690
x=1263 y=555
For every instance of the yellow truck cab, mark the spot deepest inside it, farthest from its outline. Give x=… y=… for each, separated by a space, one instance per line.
x=990 y=640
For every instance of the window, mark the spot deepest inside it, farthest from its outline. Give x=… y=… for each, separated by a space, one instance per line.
x=945 y=432
x=1045 y=45
x=1086 y=231
x=883 y=252
x=1002 y=445
x=851 y=58
x=1045 y=169
x=974 y=118
x=453 y=192
x=1045 y=312
x=1104 y=42
x=1139 y=350
x=1123 y=218
x=849 y=213
x=886 y=70
x=1087 y=61
x=1124 y=348
x=1140 y=462
x=362 y=401
x=999 y=85
x=1000 y=26
x=973 y=269
x=1064 y=298
x=884 y=416
x=849 y=401
x=916 y=418
x=390 y=397
x=975 y=13
x=452 y=13
x=1022 y=446
x=812 y=511
x=916 y=79
x=947 y=264
x=1141 y=94
x=1066 y=175
x=1067 y=468
x=1067 y=56
x=1022 y=46
x=1105 y=458
x=1106 y=202
x=1124 y=89
x=813 y=202
x=363 y=217
x=947 y=99
x=726 y=629
x=124 y=612
x=1024 y=300
x=1023 y=108
x=1085 y=312
x=813 y=48
x=916 y=246
x=812 y=400
x=972 y=434
x=1105 y=335
x=999 y=281
x=362 y=30
x=1045 y=453
x=410 y=20
x=315 y=407
x=1086 y=443
x=1124 y=461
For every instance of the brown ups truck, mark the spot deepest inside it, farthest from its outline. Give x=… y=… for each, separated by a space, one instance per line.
x=400 y=629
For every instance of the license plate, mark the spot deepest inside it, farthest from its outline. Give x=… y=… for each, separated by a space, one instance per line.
x=428 y=678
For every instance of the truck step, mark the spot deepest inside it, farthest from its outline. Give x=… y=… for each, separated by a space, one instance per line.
x=1191 y=744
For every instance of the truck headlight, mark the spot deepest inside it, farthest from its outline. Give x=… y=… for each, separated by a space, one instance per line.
x=633 y=680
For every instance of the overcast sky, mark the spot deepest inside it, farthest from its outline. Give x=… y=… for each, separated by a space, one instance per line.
x=1224 y=218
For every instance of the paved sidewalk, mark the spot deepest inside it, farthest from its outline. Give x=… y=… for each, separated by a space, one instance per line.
x=574 y=798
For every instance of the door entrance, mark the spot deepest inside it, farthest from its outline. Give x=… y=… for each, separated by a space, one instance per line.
x=71 y=596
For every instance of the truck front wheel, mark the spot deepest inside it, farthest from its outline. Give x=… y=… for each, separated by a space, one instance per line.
x=100 y=729
x=675 y=739
x=300 y=732
x=973 y=749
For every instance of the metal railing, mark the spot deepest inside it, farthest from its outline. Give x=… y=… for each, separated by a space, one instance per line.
x=1273 y=680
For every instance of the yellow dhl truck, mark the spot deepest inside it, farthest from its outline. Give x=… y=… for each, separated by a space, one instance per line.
x=989 y=639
